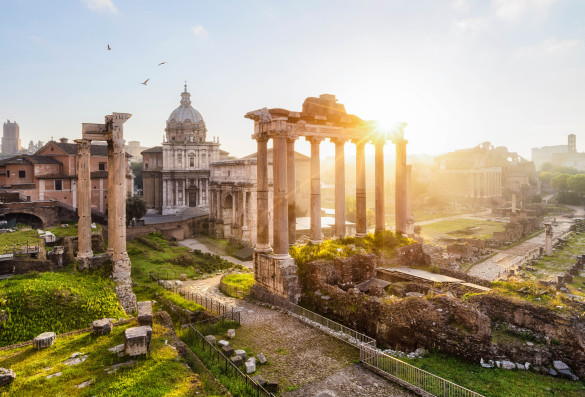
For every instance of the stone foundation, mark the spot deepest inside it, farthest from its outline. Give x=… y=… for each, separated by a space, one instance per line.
x=277 y=275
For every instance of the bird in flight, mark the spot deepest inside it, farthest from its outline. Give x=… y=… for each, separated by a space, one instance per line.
x=145 y=81
x=109 y=48
x=162 y=63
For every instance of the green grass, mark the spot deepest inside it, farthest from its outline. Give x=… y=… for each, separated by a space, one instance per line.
x=496 y=382
x=456 y=228
x=161 y=373
x=380 y=243
x=58 y=302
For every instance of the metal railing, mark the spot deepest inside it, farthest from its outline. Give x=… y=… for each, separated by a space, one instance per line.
x=226 y=365
x=210 y=304
x=411 y=377
x=415 y=379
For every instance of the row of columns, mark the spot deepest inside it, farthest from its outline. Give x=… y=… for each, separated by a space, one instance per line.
x=284 y=217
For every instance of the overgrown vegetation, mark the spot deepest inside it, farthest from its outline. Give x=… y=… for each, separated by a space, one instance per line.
x=161 y=373
x=497 y=382
x=58 y=302
x=380 y=243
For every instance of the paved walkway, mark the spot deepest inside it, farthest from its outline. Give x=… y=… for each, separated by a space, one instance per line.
x=196 y=244
x=300 y=357
x=491 y=268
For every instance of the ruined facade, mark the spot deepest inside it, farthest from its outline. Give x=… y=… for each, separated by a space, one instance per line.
x=481 y=172
x=176 y=174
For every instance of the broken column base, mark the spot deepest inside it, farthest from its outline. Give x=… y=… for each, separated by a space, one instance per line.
x=278 y=275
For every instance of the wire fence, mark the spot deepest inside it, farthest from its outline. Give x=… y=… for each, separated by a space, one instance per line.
x=226 y=365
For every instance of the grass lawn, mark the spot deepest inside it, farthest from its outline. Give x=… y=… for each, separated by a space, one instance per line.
x=497 y=382
x=456 y=228
x=162 y=373
x=58 y=302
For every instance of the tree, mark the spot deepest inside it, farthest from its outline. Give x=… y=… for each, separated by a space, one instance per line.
x=559 y=182
x=137 y=171
x=135 y=208
x=576 y=183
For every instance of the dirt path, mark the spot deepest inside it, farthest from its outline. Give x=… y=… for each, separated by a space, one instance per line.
x=304 y=360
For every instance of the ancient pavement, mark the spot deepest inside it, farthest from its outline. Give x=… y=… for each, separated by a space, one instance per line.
x=300 y=354
x=492 y=267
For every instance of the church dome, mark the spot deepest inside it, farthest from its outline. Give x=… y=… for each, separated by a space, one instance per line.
x=185 y=111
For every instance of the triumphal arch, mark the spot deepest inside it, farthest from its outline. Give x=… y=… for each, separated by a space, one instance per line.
x=321 y=118
x=112 y=131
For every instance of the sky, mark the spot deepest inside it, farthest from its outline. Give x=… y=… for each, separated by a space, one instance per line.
x=459 y=72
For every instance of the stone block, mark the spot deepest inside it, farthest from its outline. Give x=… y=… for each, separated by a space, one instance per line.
x=223 y=343
x=231 y=333
x=211 y=339
x=227 y=351
x=145 y=313
x=250 y=367
x=44 y=340
x=237 y=360
x=272 y=387
x=6 y=376
x=261 y=359
x=137 y=340
x=102 y=327
x=241 y=353
x=508 y=364
x=260 y=380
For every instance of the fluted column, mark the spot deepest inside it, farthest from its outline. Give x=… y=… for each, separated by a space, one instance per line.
x=339 y=188
x=360 y=189
x=315 y=190
x=379 y=179
x=291 y=189
x=280 y=205
x=400 y=200
x=262 y=234
x=84 y=199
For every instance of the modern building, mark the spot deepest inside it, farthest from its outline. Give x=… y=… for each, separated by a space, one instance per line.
x=10 y=139
x=176 y=174
x=51 y=174
x=482 y=172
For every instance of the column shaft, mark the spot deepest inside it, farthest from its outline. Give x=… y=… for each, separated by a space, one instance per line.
x=339 y=188
x=360 y=189
x=262 y=235
x=400 y=200
x=315 y=191
x=379 y=179
x=280 y=205
x=84 y=199
x=291 y=190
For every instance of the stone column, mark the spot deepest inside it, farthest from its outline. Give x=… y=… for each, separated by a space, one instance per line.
x=84 y=204
x=291 y=189
x=111 y=200
x=379 y=179
x=315 y=190
x=339 y=188
x=400 y=200
x=262 y=235
x=360 y=189
x=280 y=205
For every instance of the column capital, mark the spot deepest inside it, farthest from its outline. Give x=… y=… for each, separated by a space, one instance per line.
x=83 y=146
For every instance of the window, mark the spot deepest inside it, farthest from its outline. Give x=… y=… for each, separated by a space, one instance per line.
x=102 y=166
x=58 y=185
x=22 y=174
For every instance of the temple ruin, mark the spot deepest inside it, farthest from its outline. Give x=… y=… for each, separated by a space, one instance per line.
x=321 y=118
x=113 y=133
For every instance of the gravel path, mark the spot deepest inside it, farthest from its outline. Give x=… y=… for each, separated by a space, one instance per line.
x=491 y=268
x=300 y=357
